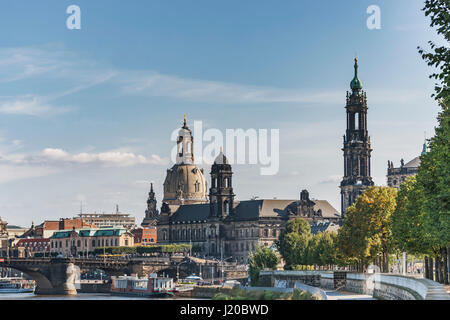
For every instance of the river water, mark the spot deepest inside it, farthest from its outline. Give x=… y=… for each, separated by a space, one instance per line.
x=80 y=296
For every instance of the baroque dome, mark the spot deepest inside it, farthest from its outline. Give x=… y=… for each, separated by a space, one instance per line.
x=185 y=184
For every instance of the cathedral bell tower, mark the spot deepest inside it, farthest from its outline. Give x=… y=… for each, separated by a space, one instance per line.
x=151 y=213
x=356 y=146
x=221 y=195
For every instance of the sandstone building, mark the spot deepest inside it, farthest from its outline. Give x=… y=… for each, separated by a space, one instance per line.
x=396 y=176
x=214 y=221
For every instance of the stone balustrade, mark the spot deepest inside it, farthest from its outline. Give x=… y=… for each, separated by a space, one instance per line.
x=381 y=286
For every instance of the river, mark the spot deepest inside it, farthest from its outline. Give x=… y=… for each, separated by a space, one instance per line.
x=80 y=296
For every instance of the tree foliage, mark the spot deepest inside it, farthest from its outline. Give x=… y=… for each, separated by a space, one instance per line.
x=366 y=233
x=408 y=220
x=293 y=242
x=439 y=57
x=433 y=178
x=261 y=259
x=300 y=248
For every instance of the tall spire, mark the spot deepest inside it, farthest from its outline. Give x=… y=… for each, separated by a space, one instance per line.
x=184 y=122
x=356 y=84
x=424 y=148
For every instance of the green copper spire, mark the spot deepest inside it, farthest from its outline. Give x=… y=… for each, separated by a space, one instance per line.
x=424 y=149
x=356 y=84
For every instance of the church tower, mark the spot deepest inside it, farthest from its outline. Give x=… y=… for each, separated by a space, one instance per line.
x=356 y=146
x=221 y=195
x=185 y=182
x=151 y=213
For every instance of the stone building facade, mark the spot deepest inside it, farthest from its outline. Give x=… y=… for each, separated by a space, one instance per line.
x=357 y=150
x=396 y=176
x=83 y=241
x=222 y=226
x=3 y=234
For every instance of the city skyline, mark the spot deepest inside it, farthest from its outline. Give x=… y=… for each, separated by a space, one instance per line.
x=86 y=117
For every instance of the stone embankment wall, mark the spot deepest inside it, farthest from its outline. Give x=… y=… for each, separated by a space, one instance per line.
x=94 y=288
x=381 y=286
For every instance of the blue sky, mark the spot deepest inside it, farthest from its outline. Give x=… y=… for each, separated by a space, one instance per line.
x=86 y=115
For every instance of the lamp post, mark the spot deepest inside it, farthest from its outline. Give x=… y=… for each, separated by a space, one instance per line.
x=178 y=269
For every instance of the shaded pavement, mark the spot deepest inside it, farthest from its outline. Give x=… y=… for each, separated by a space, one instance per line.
x=343 y=295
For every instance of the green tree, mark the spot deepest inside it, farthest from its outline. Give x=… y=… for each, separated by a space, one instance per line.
x=312 y=250
x=407 y=221
x=261 y=259
x=366 y=233
x=293 y=242
x=434 y=170
x=327 y=248
x=439 y=57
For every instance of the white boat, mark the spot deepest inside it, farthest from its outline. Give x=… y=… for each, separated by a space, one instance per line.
x=16 y=285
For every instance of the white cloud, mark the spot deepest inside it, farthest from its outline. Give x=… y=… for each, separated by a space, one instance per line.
x=9 y=173
x=333 y=179
x=155 y=84
x=29 y=105
x=77 y=73
x=59 y=157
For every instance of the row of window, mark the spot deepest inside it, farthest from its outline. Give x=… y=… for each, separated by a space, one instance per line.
x=94 y=243
x=187 y=234
x=33 y=244
x=199 y=234
x=217 y=183
x=245 y=233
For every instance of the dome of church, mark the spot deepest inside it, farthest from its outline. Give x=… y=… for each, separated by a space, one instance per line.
x=221 y=159
x=356 y=84
x=185 y=184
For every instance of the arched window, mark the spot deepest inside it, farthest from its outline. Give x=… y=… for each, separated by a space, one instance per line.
x=226 y=207
x=197 y=186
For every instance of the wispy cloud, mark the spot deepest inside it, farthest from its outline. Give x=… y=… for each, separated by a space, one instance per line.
x=58 y=157
x=151 y=83
x=10 y=172
x=333 y=179
x=78 y=73
x=29 y=105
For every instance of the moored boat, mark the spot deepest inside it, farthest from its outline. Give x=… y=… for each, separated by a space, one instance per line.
x=153 y=286
x=16 y=285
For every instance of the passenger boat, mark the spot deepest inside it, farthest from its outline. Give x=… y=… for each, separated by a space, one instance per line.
x=153 y=286
x=16 y=285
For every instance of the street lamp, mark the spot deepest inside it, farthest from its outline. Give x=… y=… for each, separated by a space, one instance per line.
x=178 y=269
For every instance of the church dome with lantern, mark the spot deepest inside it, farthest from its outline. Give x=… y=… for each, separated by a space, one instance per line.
x=185 y=183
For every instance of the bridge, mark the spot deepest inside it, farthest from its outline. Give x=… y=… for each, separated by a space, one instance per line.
x=56 y=276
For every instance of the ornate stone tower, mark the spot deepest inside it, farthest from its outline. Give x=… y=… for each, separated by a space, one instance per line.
x=151 y=214
x=185 y=182
x=356 y=146
x=221 y=195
